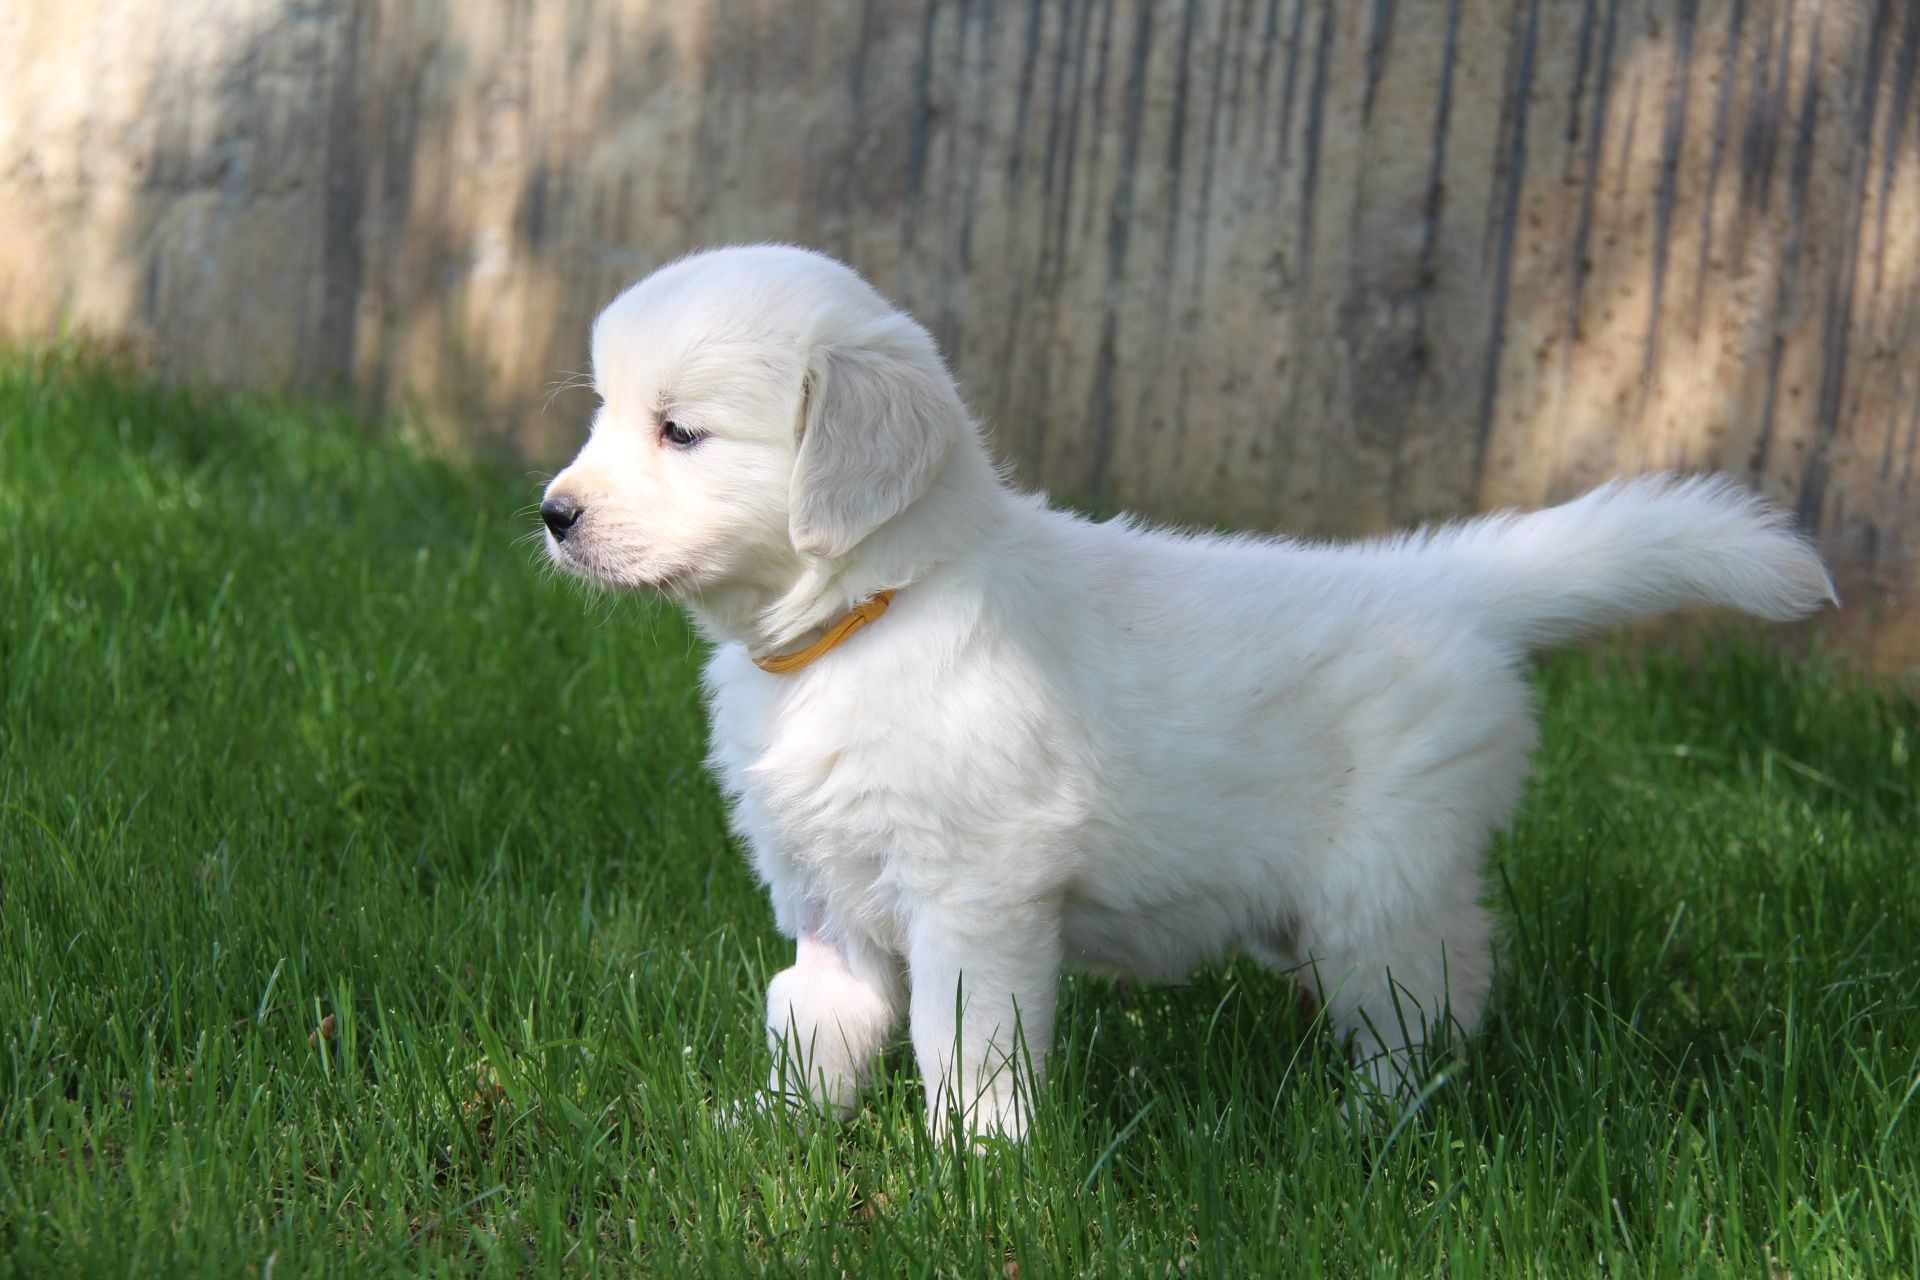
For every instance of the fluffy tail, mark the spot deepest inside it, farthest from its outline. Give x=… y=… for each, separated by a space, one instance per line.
x=1628 y=549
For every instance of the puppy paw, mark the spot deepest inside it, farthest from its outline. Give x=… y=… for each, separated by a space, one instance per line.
x=780 y=1107
x=995 y=1119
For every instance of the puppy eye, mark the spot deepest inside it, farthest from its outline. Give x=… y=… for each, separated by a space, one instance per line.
x=678 y=436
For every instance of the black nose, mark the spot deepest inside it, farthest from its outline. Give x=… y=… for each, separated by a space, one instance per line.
x=560 y=515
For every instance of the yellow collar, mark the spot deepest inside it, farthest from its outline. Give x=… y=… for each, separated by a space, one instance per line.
x=860 y=615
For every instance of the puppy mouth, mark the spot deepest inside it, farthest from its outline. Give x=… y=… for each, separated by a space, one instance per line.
x=673 y=582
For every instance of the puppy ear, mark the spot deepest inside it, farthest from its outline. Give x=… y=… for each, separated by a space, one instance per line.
x=881 y=417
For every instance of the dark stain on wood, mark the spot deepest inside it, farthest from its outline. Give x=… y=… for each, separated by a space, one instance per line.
x=1175 y=161
x=1101 y=406
x=1316 y=121
x=1518 y=103
x=1379 y=40
x=1716 y=156
x=1788 y=297
x=1290 y=77
x=917 y=136
x=1579 y=265
x=1672 y=138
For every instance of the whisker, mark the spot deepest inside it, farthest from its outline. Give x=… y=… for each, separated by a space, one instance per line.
x=566 y=383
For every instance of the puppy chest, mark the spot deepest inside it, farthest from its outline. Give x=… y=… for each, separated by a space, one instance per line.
x=880 y=810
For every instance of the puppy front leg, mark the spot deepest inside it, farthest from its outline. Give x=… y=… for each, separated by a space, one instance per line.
x=828 y=1017
x=984 y=989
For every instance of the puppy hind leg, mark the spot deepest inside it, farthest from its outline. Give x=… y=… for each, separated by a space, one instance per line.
x=1401 y=989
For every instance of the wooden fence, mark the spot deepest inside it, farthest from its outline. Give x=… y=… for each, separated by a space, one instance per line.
x=1294 y=264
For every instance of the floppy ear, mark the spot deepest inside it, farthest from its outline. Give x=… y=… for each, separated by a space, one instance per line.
x=881 y=416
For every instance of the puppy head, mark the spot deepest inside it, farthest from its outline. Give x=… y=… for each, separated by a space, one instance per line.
x=760 y=408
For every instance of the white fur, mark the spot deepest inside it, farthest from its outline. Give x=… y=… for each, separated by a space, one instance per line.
x=1076 y=743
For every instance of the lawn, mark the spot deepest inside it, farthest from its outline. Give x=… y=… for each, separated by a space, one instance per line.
x=364 y=908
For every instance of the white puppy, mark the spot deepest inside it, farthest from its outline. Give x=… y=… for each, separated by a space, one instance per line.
x=1061 y=742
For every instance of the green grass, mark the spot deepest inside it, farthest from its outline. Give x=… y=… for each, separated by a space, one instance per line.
x=293 y=732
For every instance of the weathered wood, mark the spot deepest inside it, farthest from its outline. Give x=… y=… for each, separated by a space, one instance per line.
x=1280 y=263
